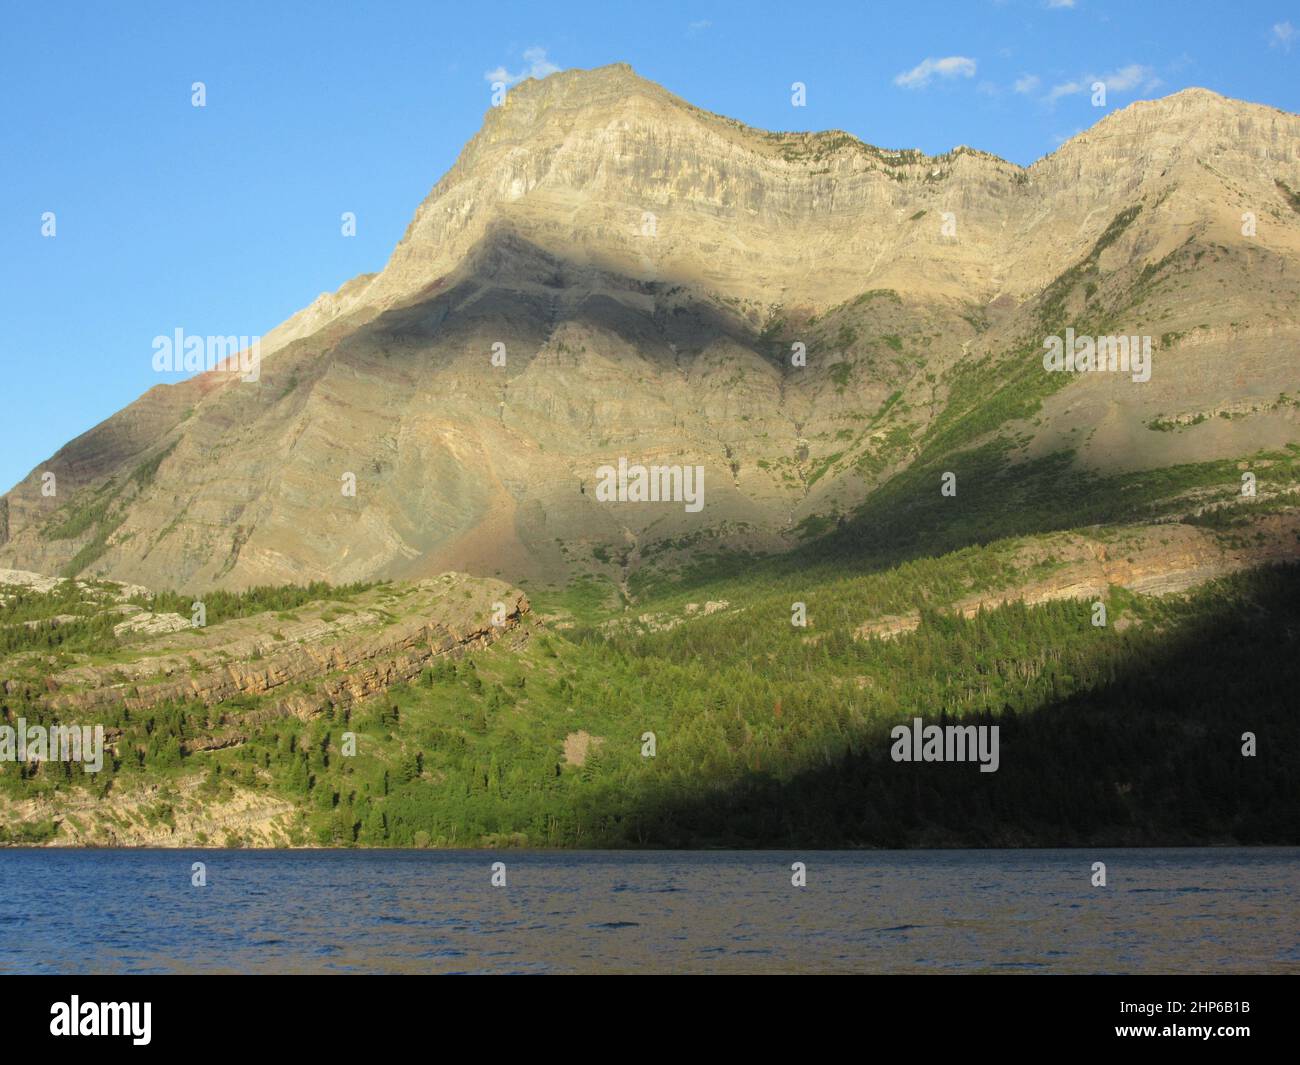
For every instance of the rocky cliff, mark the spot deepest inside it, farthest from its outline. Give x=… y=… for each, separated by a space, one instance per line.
x=644 y=272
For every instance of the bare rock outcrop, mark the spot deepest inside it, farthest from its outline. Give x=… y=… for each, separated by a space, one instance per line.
x=388 y=636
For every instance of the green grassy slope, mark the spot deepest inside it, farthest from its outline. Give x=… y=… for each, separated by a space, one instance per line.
x=768 y=734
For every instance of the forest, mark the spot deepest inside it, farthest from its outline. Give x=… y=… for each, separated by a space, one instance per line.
x=740 y=729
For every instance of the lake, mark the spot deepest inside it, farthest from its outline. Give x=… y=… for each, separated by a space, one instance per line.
x=1177 y=910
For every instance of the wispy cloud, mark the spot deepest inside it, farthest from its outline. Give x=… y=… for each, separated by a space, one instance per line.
x=1283 y=36
x=1060 y=3
x=1133 y=76
x=536 y=65
x=953 y=66
x=1065 y=88
x=1027 y=83
x=694 y=29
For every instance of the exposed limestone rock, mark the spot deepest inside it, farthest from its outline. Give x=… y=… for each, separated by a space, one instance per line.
x=152 y=815
x=388 y=636
x=647 y=267
x=1151 y=560
x=152 y=624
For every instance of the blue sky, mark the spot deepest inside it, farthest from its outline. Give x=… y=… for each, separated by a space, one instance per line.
x=226 y=219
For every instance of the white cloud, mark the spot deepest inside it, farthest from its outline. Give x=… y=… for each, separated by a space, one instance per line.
x=1060 y=3
x=1130 y=77
x=1284 y=35
x=1133 y=76
x=1066 y=88
x=536 y=65
x=1027 y=83
x=952 y=66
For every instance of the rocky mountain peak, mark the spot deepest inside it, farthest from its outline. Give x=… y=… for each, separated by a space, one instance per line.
x=649 y=267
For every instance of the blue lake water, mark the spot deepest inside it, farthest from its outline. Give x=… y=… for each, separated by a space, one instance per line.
x=1165 y=911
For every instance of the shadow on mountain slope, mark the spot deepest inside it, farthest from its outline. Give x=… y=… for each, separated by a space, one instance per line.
x=908 y=519
x=1153 y=757
x=515 y=290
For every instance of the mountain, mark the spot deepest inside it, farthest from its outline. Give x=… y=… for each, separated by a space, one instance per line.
x=649 y=268
x=911 y=507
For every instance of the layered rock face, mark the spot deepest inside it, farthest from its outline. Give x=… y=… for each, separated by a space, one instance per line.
x=1152 y=560
x=325 y=656
x=608 y=272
